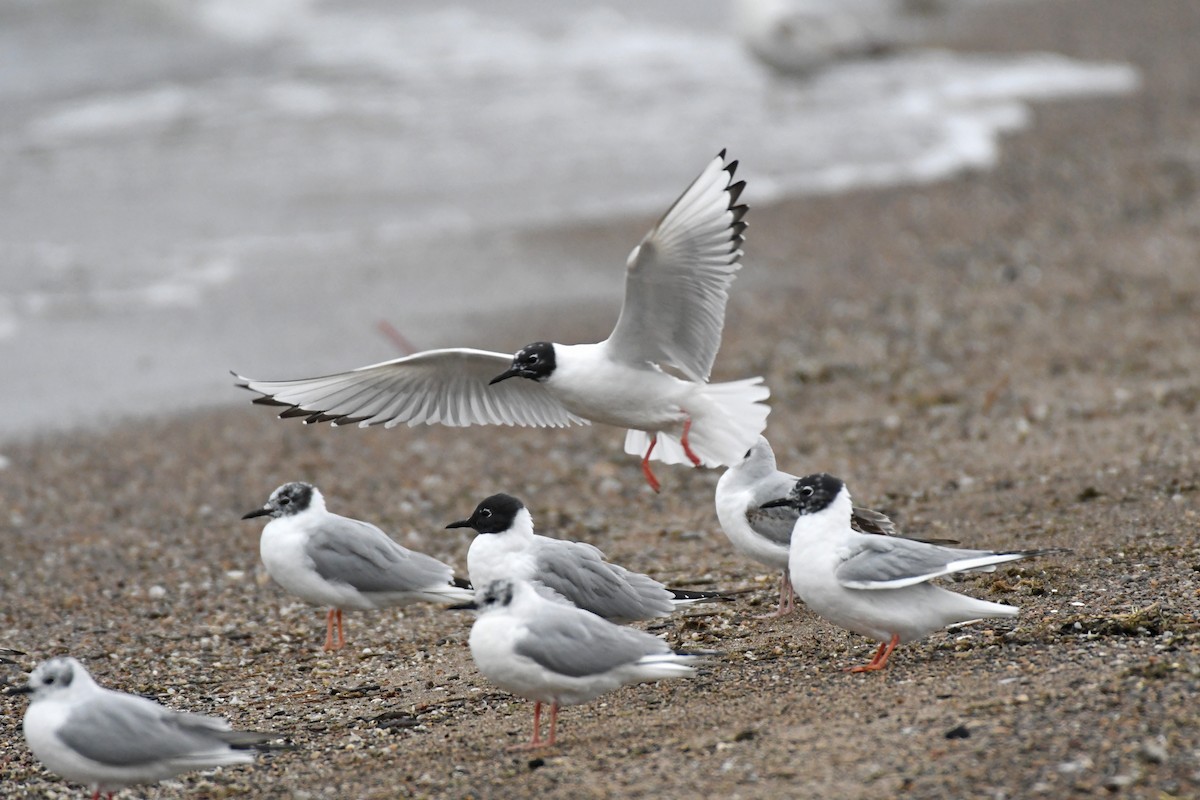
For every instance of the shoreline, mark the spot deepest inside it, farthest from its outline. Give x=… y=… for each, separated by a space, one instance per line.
x=1007 y=358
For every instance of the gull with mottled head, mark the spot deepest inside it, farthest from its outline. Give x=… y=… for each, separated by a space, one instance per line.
x=530 y=641
x=108 y=740
x=339 y=562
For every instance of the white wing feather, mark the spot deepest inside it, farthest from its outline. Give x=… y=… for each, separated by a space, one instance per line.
x=677 y=280
x=436 y=387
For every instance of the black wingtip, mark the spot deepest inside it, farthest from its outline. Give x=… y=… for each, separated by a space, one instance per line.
x=721 y=155
x=735 y=191
x=688 y=594
x=461 y=583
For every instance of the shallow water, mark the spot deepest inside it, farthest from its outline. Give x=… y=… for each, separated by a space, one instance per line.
x=191 y=187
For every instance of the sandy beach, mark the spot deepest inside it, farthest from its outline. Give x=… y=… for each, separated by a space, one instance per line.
x=1008 y=359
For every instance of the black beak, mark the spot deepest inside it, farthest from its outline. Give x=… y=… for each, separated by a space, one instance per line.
x=462 y=523
x=27 y=689
x=471 y=606
x=258 y=512
x=511 y=372
x=780 y=503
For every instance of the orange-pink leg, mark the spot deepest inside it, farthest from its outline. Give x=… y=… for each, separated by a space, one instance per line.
x=536 y=741
x=687 y=448
x=332 y=619
x=787 y=598
x=881 y=656
x=553 y=725
x=653 y=481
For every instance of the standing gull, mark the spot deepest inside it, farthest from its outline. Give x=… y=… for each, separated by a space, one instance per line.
x=878 y=586
x=335 y=561
x=761 y=533
x=507 y=547
x=529 y=641
x=676 y=288
x=108 y=740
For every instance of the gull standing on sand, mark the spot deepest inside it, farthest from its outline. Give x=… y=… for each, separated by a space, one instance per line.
x=335 y=561
x=676 y=288
x=878 y=586
x=507 y=547
x=761 y=533
x=533 y=643
x=108 y=740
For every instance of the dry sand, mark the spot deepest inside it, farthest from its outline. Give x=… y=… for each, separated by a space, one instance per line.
x=1009 y=359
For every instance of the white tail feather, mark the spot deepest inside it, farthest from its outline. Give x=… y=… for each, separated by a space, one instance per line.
x=726 y=421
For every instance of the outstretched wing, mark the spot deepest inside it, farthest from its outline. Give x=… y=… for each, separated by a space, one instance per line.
x=677 y=280
x=436 y=387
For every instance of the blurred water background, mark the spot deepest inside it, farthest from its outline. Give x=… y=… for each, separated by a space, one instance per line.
x=192 y=186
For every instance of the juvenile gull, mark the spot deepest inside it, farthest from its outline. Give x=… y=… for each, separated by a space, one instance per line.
x=108 y=740
x=533 y=643
x=335 y=561
x=878 y=586
x=676 y=288
x=507 y=547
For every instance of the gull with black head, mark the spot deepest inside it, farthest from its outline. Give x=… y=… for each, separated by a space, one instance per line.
x=530 y=641
x=764 y=534
x=878 y=586
x=108 y=740
x=507 y=547
x=676 y=288
x=339 y=562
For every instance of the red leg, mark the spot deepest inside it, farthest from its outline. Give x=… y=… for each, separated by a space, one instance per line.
x=687 y=448
x=399 y=340
x=881 y=656
x=536 y=741
x=553 y=724
x=329 y=644
x=341 y=633
x=786 y=599
x=653 y=481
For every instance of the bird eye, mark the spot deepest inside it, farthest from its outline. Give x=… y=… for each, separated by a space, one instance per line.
x=283 y=501
x=533 y=359
x=485 y=512
x=49 y=679
x=806 y=491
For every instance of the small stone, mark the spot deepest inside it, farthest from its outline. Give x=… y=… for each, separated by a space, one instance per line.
x=959 y=732
x=1152 y=752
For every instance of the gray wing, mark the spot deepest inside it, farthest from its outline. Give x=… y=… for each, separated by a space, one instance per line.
x=364 y=557
x=886 y=562
x=579 y=573
x=436 y=387
x=677 y=280
x=573 y=642
x=776 y=523
x=121 y=730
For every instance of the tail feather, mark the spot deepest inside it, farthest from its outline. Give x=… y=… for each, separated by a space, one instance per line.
x=726 y=421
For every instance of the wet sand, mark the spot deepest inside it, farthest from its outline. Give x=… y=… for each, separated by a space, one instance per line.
x=1009 y=359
